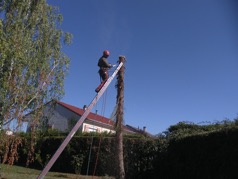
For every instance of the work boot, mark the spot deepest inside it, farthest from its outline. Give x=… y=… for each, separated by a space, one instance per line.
x=97 y=90
x=100 y=86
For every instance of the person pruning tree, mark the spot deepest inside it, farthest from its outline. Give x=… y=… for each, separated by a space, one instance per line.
x=104 y=66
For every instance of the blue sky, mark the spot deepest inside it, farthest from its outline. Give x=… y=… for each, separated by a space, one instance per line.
x=182 y=58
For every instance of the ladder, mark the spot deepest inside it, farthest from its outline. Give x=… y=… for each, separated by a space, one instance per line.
x=78 y=124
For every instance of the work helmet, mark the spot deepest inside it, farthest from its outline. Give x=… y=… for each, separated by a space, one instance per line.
x=106 y=53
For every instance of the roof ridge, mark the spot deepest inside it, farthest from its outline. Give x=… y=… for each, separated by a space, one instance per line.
x=91 y=115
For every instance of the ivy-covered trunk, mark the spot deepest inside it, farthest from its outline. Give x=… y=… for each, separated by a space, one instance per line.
x=119 y=120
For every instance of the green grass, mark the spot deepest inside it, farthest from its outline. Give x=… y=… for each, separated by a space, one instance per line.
x=16 y=172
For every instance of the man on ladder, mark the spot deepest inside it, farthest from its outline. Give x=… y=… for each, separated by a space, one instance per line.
x=103 y=69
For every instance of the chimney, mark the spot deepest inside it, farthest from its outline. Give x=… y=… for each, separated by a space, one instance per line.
x=84 y=107
x=144 y=129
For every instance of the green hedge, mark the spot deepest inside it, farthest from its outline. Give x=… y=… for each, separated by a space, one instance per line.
x=92 y=155
x=206 y=153
x=207 y=156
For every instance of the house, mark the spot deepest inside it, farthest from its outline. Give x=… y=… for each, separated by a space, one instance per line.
x=61 y=116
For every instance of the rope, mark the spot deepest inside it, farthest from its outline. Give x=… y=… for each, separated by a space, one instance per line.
x=89 y=157
x=100 y=139
x=91 y=145
x=99 y=145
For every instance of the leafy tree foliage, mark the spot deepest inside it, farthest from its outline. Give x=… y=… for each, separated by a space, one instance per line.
x=32 y=65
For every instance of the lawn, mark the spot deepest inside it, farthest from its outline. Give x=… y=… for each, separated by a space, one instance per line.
x=16 y=172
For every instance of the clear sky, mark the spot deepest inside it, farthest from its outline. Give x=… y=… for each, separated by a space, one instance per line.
x=182 y=58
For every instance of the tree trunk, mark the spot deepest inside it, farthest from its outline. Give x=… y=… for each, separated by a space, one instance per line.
x=119 y=121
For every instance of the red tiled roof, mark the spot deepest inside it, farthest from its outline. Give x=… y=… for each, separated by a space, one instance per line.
x=91 y=116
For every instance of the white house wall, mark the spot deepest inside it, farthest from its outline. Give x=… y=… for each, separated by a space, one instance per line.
x=61 y=117
x=58 y=121
x=93 y=128
x=58 y=117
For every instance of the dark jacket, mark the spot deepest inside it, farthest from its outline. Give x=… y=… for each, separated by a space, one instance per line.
x=103 y=63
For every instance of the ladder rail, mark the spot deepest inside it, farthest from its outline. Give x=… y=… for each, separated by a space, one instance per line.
x=78 y=124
